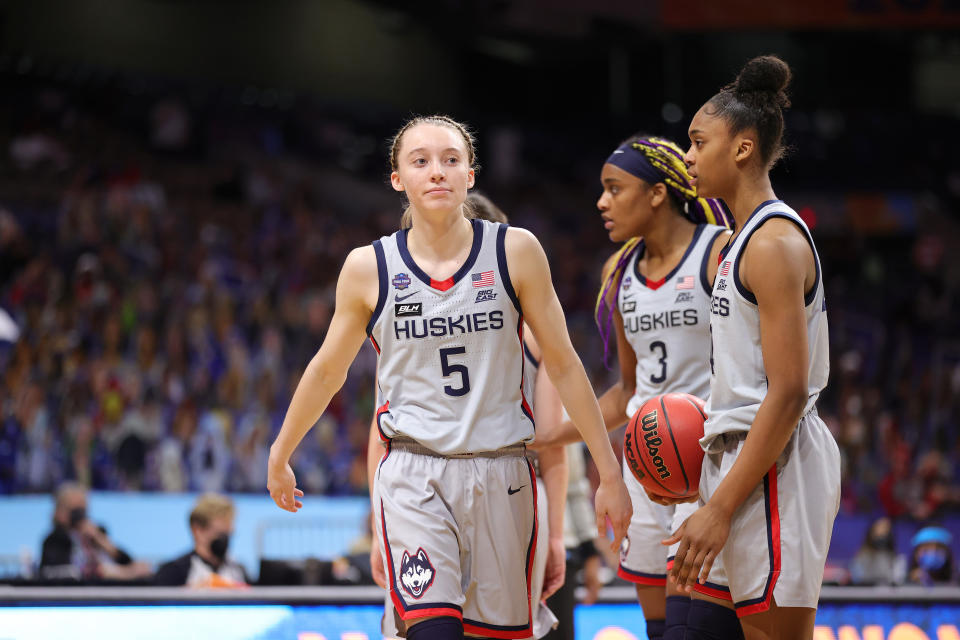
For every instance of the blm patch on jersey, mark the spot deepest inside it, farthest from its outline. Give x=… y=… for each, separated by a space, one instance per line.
x=408 y=309
x=416 y=573
x=486 y=294
x=629 y=307
x=401 y=281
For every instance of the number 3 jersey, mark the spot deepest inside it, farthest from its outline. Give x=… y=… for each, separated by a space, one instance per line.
x=450 y=369
x=667 y=322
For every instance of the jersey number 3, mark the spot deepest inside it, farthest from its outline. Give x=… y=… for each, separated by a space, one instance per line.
x=662 y=348
x=449 y=369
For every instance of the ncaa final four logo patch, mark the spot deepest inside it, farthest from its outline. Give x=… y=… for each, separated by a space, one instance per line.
x=416 y=573
x=401 y=281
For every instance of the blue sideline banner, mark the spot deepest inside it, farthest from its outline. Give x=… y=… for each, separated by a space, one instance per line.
x=854 y=621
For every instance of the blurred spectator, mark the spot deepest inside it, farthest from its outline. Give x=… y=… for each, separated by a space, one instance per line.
x=877 y=562
x=207 y=565
x=931 y=561
x=79 y=549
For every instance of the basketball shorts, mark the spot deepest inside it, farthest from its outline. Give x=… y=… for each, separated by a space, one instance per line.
x=543 y=618
x=780 y=535
x=458 y=536
x=643 y=560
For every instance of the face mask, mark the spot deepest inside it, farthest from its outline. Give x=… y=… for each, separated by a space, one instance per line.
x=218 y=546
x=880 y=542
x=932 y=559
x=77 y=515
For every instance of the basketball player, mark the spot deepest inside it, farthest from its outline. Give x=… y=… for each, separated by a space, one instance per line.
x=549 y=563
x=455 y=495
x=656 y=296
x=769 y=456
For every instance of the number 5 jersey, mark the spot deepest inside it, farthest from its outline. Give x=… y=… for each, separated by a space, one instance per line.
x=450 y=369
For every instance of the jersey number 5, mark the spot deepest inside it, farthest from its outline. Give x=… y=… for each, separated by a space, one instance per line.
x=662 y=348
x=450 y=369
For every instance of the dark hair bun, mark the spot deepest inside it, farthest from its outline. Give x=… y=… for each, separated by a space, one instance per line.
x=765 y=74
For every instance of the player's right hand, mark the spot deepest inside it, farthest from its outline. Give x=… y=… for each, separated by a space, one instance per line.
x=282 y=485
x=613 y=502
x=376 y=566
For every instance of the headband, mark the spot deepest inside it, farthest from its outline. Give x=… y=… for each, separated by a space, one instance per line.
x=635 y=163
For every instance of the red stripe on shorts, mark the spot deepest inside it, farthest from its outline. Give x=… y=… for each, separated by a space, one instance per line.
x=642 y=578
x=773 y=540
x=438 y=611
x=712 y=592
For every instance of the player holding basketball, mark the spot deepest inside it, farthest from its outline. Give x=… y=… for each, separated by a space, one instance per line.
x=455 y=495
x=656 y=297
x=769 y=457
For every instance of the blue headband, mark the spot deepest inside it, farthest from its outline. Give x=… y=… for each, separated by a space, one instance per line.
x=634 y=163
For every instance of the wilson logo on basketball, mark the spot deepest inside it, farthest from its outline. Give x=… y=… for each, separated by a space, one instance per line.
x=653 y=442
x=662 y=444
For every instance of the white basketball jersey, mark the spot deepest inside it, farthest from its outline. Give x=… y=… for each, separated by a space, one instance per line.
x=738 y=382
x=666 y=322
x=451 y=362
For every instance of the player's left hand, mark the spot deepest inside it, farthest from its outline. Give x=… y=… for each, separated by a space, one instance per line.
x=613 y=501
x=282 y=485
x=701 y=538
x=556 y=570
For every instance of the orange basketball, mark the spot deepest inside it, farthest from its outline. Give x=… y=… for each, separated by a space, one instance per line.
x=662 y=444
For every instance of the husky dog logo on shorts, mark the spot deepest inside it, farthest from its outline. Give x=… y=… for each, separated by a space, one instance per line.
x=416 y=573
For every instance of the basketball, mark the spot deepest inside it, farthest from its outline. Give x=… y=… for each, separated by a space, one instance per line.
x=662 y=444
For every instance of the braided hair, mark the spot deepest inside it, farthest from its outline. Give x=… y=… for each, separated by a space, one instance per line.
x=653 y=160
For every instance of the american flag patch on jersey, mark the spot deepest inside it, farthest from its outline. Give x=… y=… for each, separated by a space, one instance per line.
x=484 y=279
x=686 y=282
x=725 y=268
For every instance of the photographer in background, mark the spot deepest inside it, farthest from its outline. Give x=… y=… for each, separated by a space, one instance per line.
x=207 y=565
x=80 y=549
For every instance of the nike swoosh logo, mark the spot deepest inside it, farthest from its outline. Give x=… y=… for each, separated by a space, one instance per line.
x=511 y=490
x=627 y=296
x=399 y=298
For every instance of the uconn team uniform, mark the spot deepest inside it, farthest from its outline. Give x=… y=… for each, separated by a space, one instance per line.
x=780 y=535
x=455 y=497
x=666 y=323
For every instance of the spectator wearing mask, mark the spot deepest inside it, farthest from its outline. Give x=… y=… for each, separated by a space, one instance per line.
x=932 y=559
x=877 y=562
x=207 y=565
x=80 y=549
